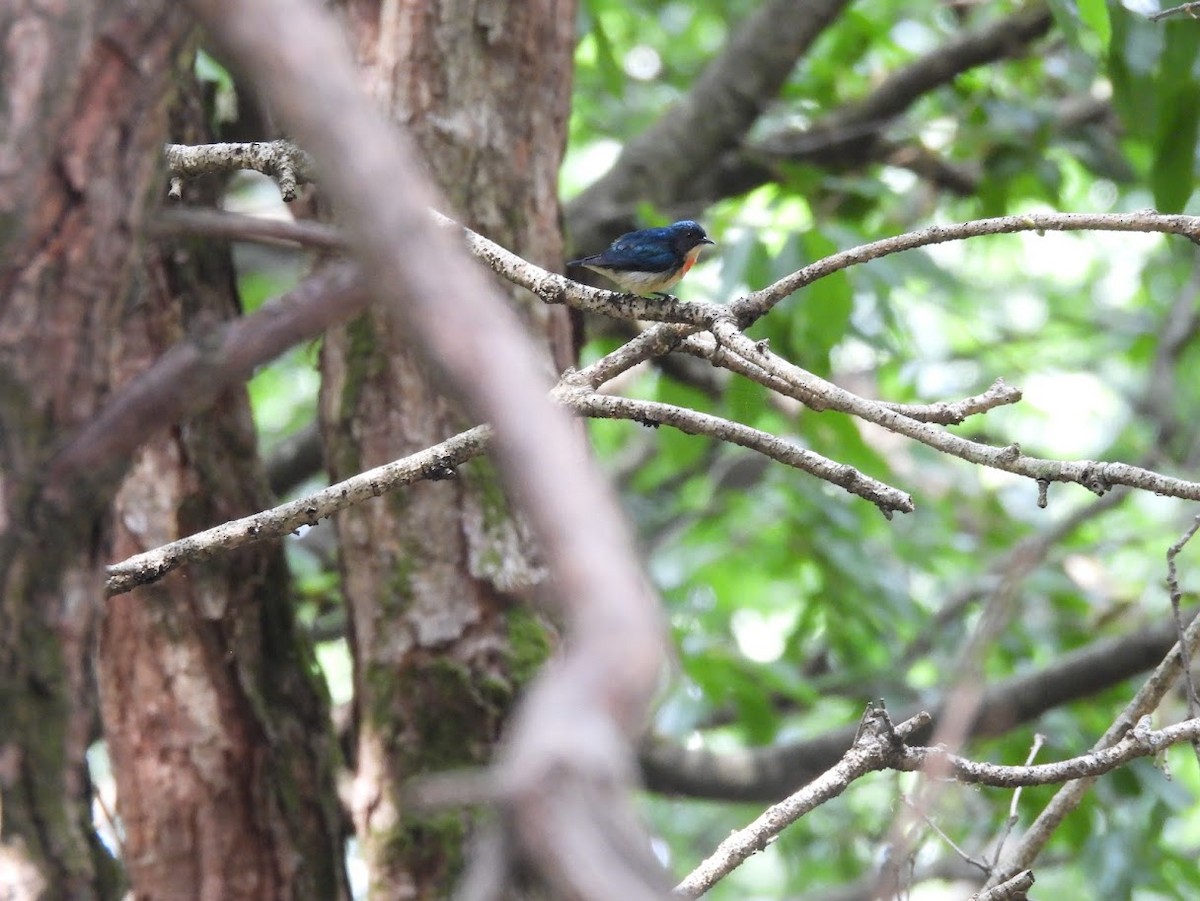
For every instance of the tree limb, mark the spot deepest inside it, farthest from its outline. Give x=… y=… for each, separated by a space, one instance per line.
x=1068 y=797
x=437 y=462
x=1140 y=741
x=766 y=774
x=193 y=373
x=692 y=422
x=877 y=745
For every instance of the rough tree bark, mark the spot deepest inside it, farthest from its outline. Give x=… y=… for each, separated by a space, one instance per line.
x=85 y=87
x=437 y=579
x=217 y=725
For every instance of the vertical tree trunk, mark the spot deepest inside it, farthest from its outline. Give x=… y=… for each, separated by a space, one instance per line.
x=218 y=733
x=85 y=87
x=437 y=578
x=218 y=730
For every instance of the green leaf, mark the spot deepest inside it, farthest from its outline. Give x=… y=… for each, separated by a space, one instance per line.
x=1094 y=14
x=1172 y=176
x=610 y=69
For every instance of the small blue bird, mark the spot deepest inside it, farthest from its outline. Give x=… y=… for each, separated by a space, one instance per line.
x=651 y=260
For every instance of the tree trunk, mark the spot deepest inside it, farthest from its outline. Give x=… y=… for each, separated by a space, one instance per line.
x=86 y=86
x=218 y=730
x=437 y=578
x=218 y=734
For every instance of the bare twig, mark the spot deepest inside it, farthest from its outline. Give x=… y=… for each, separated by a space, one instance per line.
x=1185 y=649
x=1069 y=796
x=589 y=403
x=436 y=462
x=754 y=306
x=283 y=161
x=1012 y=889
x=877 y=745
x=1183 y=9
x=1138 y=742
x=765 y=774
x=1010 y=821
x=1098 y=477
x=227 y=226
x=918 y=811
x=999 y=394
x=193 y=373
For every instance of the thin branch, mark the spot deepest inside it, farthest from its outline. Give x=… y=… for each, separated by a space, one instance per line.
x=659 y=165
x=877 y=745
x=1183 y=9
x=998 y=394
x=437 y=462
x=589 y=403
x=1185 y=649
x=227 y=226
x=764 y=774
x=918 y=811
x=1069 y=796
x=282 y=161
x=1012 y=889
x=1014 y=817
x=1097 y=477
x=752 y=307
x=956 y=412
x=1138 y=742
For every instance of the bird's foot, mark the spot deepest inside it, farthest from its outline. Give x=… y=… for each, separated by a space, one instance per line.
x=665 y=296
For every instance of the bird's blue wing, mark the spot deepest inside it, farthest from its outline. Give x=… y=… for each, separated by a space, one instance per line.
x=636 y=256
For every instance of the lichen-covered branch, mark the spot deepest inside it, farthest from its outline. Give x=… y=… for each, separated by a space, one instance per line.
x=1140 y=741
x=437 y=462
x=282 y=161
x=604 y=406
x=1098 y=477
x=1068 y=797
x=880 y=745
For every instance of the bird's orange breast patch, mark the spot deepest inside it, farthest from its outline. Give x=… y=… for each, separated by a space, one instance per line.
x=689 y=261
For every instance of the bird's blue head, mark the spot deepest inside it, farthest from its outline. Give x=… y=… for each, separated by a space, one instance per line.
x=686 y=234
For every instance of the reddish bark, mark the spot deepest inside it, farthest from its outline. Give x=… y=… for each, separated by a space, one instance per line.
x=218 y=735
x=86 y=87
x=218 y=731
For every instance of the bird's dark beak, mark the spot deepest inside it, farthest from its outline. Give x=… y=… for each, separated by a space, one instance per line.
x=708 y=241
